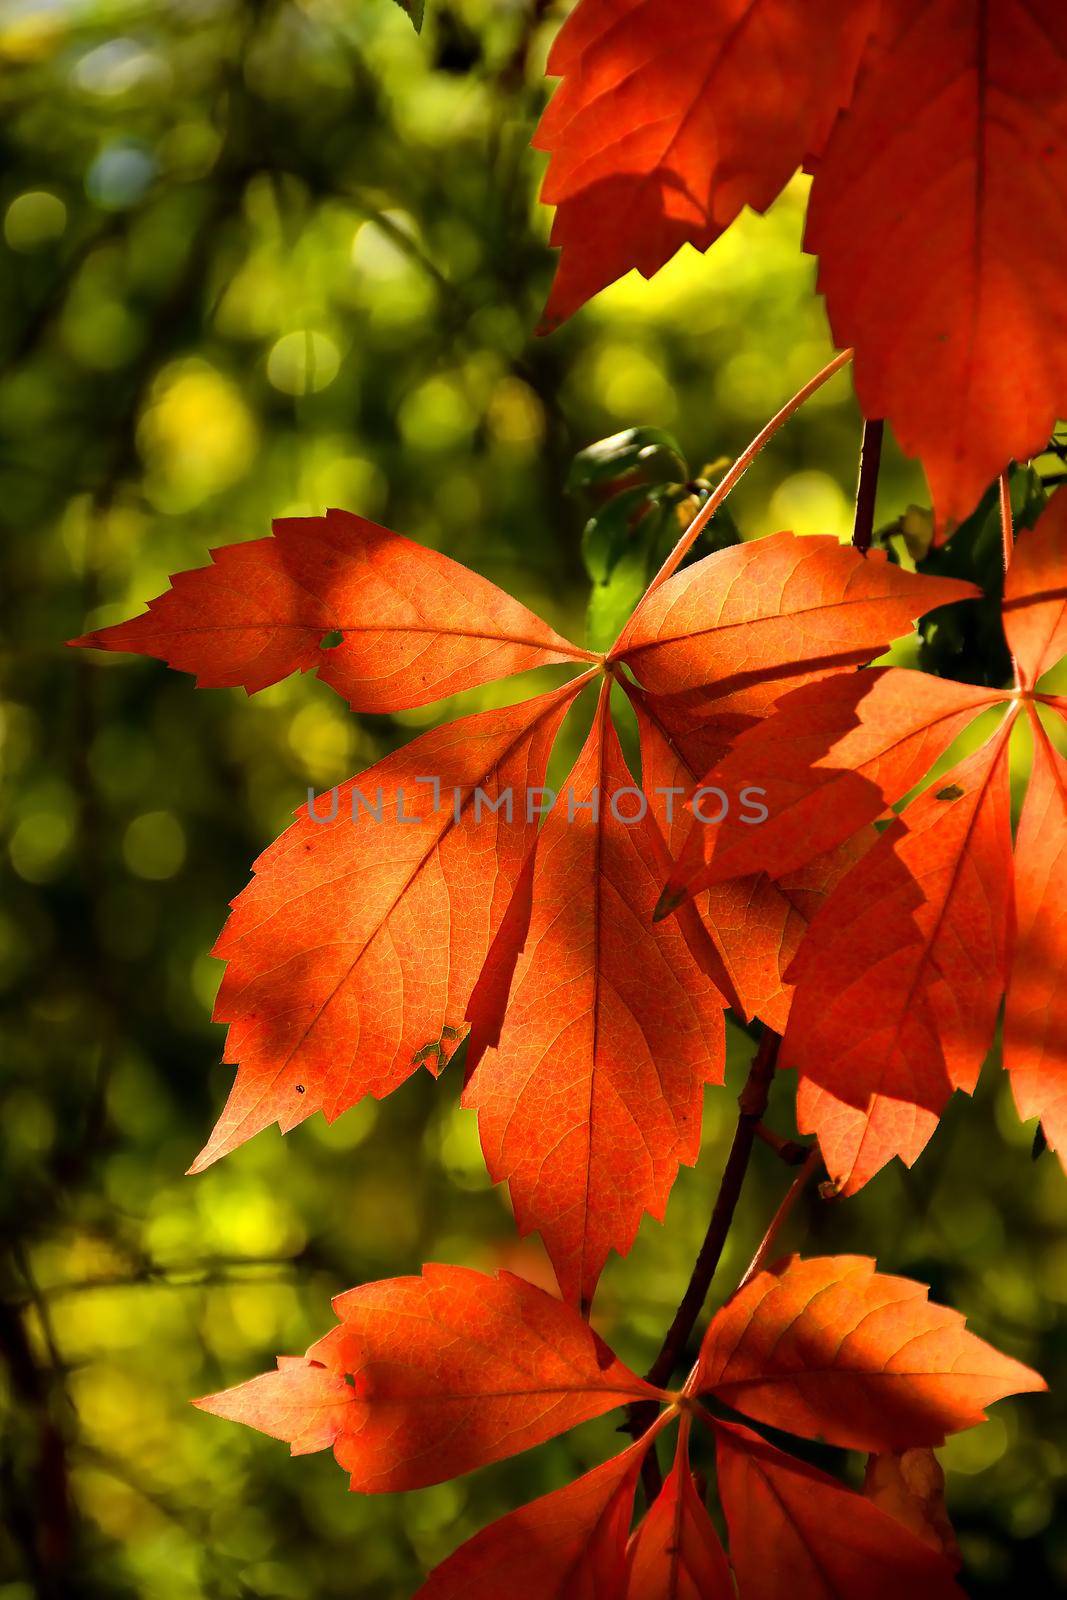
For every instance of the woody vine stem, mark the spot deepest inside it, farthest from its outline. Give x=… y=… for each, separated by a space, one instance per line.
x=755 y=1093
x=752 y=1102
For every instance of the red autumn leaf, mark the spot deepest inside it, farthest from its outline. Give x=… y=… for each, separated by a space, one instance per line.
x=898 y=984
x=589 y=1087
x=414 y=625
x=328 y=992
x=426 y=1378
x=448 y=1371
x=756 y=925
x=899 y=979
x=304 y=1402
x=830 y=1348
x=909 y=1485
x=568 y=1545
x=675 y=1554
x=934 y=216
x=830 y=759
x=796 y=1534
x=670 y=119
x=933 y=211
x=757 y=619
x=1035 y=1019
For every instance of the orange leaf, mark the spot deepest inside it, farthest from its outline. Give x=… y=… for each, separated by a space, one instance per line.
x=568 y=1545
x=829 y=760
x=1035 y=1021
x=796 y=1534
x=899 y=980
x=935 y=216
x=757 y=619
x=675 y=1553
x=448 y=1371
x=414 y=625
x=328 y=992
x=756 y=926
x=589 y=1090
x=910 y=1486
x=830 y=1348
x=672 y=118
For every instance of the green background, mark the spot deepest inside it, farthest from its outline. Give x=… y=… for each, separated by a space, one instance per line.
x=257 y=259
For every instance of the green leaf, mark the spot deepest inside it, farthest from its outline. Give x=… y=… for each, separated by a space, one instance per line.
x=416 y=10
x=613 y=530
x=621 y=547
x=648 y=455
x=611 y=603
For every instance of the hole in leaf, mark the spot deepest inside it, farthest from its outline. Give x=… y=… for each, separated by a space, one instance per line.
x=331 y=640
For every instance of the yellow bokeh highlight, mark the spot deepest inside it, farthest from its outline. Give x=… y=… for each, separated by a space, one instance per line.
x=303 y=363
x=34 y=219
x=197 y=435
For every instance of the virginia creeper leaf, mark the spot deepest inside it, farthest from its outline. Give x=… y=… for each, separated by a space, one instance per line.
x=568 y=1545
x=1035 y=1020
x=675 y=1554
x=589 y=1089
x=759 y=618
x=935 y=217
x=796 y=1534
x=426 y=1378
x=909 y=1485
x=828 y=760
x=901 y=974
x=899 y=980
x=448 y=1371
x=328 y=992
x=755 y=925
x=830 y=1348
x=415 y=626
x=672 y=118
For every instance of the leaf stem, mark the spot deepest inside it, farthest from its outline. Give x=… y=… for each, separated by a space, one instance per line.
x=1007 y=525
x=811 y=1164
x=867 y=487
x=733 y=476
x=752 y=1104
x=794 y=1152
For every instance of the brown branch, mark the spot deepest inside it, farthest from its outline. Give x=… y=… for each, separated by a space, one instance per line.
x=792 y=1151
x=867 y=488
x=752 y=1104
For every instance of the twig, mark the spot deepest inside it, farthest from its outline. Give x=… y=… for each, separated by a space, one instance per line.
x=867 y=487
x=811 y=1165
x=752 y=1105
x=193 y=1275
x=792 y=1151
x=727 y=483
x=1007 y=525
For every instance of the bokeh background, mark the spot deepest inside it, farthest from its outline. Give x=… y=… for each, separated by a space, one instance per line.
x=257 y=257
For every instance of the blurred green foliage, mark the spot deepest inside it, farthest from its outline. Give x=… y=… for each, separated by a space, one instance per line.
x=258 y=257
